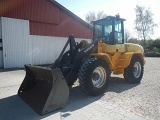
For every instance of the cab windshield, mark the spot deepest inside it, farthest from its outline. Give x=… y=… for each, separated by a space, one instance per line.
x=103 y=29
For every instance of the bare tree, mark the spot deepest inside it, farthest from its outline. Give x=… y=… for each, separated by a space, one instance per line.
x=127 y=34
x=101 y=14
x=92 y=16
x=144 y=23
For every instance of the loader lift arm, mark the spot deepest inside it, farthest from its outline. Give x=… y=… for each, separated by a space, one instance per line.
x=70 y=61
x=69 y=53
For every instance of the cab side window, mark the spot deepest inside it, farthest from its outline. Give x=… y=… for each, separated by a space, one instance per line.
x=118 y=32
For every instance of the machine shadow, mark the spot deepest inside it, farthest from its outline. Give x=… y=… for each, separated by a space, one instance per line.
x=10 y=69
x=118 y=85
x=79 y=100
x=14 y=108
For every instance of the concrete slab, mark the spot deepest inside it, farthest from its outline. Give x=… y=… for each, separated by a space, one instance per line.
x=121 y=101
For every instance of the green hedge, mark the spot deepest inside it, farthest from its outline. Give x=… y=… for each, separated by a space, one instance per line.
x=152 y=54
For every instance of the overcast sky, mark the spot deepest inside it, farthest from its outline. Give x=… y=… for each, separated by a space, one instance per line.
x=111 y=7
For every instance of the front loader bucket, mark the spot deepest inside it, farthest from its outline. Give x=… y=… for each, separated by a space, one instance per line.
x=44 y=89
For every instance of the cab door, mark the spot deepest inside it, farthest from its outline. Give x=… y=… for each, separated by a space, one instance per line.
x=119 y=35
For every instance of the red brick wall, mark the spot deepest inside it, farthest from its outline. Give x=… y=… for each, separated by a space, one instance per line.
x=45 y=18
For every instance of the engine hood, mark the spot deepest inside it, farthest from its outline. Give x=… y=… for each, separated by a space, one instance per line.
x=131 y=47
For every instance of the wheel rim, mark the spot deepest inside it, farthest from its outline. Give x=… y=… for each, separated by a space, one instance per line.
x=137 y=69
x=99 y=77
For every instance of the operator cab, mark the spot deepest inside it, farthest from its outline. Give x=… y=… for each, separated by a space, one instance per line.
x=110 y=29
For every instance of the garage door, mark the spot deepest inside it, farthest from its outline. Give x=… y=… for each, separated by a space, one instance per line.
x=1 y=52
x=15 y=39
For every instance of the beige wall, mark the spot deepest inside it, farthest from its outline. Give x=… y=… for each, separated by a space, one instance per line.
x=19 y=47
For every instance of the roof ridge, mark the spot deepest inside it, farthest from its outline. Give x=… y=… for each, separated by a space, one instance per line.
x=71 y=13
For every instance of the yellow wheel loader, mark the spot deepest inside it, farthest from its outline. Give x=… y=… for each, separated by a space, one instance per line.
x=46 y=88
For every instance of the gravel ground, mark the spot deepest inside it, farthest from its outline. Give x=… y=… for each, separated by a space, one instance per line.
x=142 y=99
x=122 y=101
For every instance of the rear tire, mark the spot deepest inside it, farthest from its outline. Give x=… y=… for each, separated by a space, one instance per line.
x=94 y=76
x=134 y=72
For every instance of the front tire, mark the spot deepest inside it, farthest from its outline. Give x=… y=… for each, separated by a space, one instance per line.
x=134 y=72
x=94 y=76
